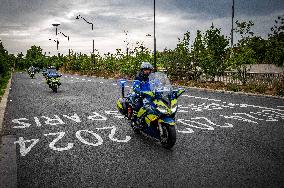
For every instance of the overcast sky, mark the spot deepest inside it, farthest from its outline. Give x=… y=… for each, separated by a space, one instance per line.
x=24 y=23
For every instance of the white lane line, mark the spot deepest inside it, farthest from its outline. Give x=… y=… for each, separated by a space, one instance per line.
x=89 y=80
x=214 y=100
x=201 y=98
x=83 y=79
x=77 y=78
x=101 y=82
x=114 y=84
x=182 y=111
x=233 y=105
x=72 y=77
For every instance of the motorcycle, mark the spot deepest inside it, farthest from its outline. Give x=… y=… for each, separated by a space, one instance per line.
x=53 y=82
x=32 y=75
x=156 y=117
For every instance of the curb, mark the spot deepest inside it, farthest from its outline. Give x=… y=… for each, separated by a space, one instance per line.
x=3 y=102
x=8 y=162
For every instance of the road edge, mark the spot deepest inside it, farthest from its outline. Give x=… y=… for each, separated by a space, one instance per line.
x=8 y=160
x=3 y=103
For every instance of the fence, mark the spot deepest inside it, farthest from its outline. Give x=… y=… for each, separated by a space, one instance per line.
x=268 y=78
x=230 y=77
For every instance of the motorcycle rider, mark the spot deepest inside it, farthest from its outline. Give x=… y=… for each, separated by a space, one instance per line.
x=31 y=69
x=140 y=84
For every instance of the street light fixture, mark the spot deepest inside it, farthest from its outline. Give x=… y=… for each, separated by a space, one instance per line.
x=77 y=18
x=55 y=25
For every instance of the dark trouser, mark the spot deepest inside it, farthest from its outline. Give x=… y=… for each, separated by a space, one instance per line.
x=138 y=103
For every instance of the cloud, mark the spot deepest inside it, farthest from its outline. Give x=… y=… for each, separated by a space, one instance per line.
x=28 y=22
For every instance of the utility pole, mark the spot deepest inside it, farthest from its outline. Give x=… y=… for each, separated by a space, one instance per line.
x=57 y=42
x=155 y=58
x=232 y=30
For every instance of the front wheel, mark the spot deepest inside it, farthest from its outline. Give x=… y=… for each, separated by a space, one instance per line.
x=168 y=137
x=54 y=89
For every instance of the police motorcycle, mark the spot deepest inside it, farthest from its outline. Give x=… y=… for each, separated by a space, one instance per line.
x=52 y=79
x=31 y=72
x=32 y=75
x=156 y=117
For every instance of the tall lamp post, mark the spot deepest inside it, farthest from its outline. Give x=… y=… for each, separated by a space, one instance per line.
x=155 y=58
x=78 y=17
x=232 y=30
x=57 y=42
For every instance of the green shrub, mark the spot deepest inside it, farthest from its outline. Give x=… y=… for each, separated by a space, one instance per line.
x=278 y=86
x=233 y=87
x=3 y=83
x=261 y=87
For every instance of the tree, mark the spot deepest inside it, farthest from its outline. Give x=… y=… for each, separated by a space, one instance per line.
x=5 y=64
x=213 y=62
x=34 y=57
x=20 y=62
x=243 y=55
x=275 y=43
x=178 y=61
x=259 y=46
x=197 y=54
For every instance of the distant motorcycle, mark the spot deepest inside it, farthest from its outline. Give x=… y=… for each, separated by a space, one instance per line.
x=52 y=80
x=53 y=83
x=156 y=118
x=32 y=75
x=32 y=71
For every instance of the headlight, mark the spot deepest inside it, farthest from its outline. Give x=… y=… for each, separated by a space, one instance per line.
x=162 y=109
x=174 y=108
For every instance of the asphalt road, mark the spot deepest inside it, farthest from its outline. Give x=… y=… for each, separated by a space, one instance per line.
x=76 y=138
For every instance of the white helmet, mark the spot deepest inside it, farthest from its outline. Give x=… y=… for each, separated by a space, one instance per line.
x=146 y=65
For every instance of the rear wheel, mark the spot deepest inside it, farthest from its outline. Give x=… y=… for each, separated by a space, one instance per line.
x=168 y=138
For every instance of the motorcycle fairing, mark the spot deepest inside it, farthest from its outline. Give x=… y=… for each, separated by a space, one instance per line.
x=167 y=120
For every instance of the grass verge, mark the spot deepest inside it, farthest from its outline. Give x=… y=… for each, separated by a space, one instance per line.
x=3 y=83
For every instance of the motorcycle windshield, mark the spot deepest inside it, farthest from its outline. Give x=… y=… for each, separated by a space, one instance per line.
x=159 y=82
